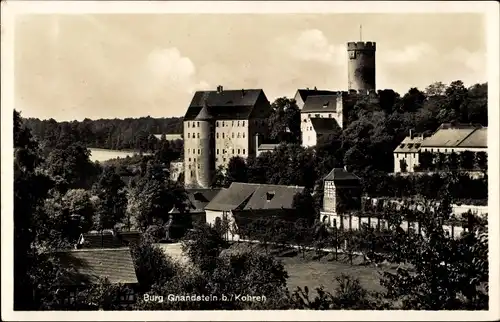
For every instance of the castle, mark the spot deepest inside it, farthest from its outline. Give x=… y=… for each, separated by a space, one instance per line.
x=221 y=124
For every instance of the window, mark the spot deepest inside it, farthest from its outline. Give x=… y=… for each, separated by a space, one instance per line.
x=305 y=120
x=217 y=124
x=238 y=151
x=232 y=123
x=223 y=151
x=198 y=165
x=198 y=124
x=232 y=135
x=243 y=134
x=233 y=151
x=198 y=135
x=217 y=134
x=192 y=173
x=243 y=151
x=317 y=115
x=224 y=160
x=238 y=123
x=223 y=135
x=188 y=151
x=329 y=116
x=189 y=134
x=199 y=152
x=188 y=124
x=189 y=167
x=243 y=123
x=217 y=151
x=223 y=124
x=189 y=159
x=239 y=135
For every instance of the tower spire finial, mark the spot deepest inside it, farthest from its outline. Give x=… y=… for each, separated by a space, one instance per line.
x=360 y=32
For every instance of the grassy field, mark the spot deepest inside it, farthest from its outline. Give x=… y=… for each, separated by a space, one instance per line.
x=311 y=271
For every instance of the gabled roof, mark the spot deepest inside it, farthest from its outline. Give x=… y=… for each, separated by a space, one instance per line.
x=340 y=175
x=409 y=145
x=106 y=239
x=245 y=196
x=232 y=197
x=90 y=265
x=477 y=139
x=323 y=125
x=273 y=197
x=305 y=93
x=226 y=104
x=320 y=103
x=453 y=136
x=198 y=199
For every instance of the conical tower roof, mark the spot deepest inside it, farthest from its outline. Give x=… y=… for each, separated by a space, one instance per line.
x=204 y=114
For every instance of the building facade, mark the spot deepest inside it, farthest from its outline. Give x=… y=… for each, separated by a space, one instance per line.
x=219 y=125
x=406 y=155
x=341 y=194
x=322 y=106
x=448 y=138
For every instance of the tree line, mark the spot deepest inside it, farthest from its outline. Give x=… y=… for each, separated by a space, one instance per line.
x=116 y=134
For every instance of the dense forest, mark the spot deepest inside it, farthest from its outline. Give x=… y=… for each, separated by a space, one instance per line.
x=116 y=134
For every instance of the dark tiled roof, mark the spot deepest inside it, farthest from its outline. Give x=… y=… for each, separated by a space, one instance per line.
x=106 y=239
x=232 y=197
x=228 y=104
x=323 y=125
x=341 y=175
x=320 y=103
x=305 y=93
x=198 y=199
x=254 y=196
x=409 y=145
x=90 y=265
x=273 y=197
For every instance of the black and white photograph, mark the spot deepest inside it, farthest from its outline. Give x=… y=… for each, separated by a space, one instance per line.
x=250 y=160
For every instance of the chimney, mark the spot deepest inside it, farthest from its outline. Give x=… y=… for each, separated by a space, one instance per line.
x=256 y=141
x=411 y=134
x=242 y=92
x=315 y=88
x=345 y=168
x=220 y=89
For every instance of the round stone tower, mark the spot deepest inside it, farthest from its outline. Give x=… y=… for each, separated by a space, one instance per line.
x=204 y=164
x=361 y=65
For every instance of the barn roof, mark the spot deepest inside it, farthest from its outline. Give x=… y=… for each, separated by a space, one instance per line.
x=91 y=265
x=320 y=104
x=246 y=196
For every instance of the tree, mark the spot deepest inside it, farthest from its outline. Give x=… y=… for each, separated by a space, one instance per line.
x=284 y=121
x=236 y=171
x=110 y=190
x=203 y=245
x=304 y=205
x=441 y=272
x=152 y=265
x=30 y=188
x=72 y=165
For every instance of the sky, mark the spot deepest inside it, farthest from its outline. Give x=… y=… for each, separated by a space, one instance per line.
x=132 y=65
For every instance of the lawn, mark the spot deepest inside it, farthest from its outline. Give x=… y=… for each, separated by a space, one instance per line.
x=314 y=273
x=311 y=271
